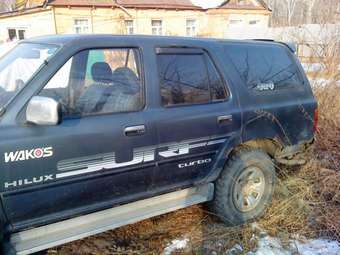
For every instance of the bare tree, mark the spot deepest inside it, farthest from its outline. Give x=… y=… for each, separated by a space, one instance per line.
x=290 y=4
x=310 y=6
x=298 y=12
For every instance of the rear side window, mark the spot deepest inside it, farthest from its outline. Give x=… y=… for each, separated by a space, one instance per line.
x=264 y=67
x=189 y=79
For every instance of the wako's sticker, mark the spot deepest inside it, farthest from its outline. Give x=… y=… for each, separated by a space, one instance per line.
x=22 y=155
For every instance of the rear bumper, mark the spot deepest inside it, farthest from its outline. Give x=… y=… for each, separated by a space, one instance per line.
x=294 y=154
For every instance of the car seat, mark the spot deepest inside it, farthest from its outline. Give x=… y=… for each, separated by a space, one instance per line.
x=97 y=93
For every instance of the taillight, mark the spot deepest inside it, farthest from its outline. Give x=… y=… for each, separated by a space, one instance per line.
x=316 y=120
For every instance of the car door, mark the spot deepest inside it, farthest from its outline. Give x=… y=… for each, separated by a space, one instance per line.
x=100 y=154
x=197 y=115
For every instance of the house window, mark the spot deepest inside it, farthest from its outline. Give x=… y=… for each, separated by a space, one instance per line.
x=129 y=27
x=191 y=27
x=235 y=22
x=81 y=26
x=156 y=26
x=14 y=34
x=254 y=22
x=21 y=34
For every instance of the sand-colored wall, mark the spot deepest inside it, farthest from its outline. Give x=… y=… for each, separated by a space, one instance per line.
x=106 y=20
x=219 y=23
x=35 y=24
x=61 y=20
x=212 y=23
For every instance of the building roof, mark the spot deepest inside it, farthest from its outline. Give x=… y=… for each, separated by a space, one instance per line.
x=16 y=5
x=27 y=6
x=161 y=4
x=35 y=3
x=244 y=4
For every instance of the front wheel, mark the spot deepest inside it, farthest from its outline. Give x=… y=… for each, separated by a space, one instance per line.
x=245 y=187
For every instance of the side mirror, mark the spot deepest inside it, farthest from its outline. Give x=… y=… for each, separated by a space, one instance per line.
x=43 y=111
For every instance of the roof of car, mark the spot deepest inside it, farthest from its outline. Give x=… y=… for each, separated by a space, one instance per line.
x=65 y=39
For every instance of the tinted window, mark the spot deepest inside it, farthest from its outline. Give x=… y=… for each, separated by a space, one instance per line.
x=217 y=88
x=188 y=79
x=264 y=67
x=97 y=82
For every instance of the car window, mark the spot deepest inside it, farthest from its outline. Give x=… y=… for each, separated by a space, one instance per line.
x=19 y=66
x=188 y=79
x=98 y=81
x=264 y=67
x=217 y=88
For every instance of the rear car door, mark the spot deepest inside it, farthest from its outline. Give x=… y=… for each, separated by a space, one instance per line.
x=99 y=155
x=272 y=78
x=197 y=115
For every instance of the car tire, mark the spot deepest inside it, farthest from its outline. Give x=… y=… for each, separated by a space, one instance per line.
x=245 y=187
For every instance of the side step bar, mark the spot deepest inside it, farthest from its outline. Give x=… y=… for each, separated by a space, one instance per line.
x=41 y=238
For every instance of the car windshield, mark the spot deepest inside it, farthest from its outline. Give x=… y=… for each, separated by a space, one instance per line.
x=19 y=65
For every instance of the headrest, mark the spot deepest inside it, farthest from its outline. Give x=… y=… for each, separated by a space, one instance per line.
x=101 y=72
x=125 y=71
x=126 y=79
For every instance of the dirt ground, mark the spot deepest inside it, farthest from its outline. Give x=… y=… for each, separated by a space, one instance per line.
x=306 y=204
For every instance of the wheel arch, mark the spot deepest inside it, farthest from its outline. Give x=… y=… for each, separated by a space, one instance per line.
x=268 y=144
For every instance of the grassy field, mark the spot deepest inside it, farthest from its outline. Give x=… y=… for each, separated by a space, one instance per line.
x=306 y=205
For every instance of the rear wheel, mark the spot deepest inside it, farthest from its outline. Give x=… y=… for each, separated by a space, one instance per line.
x=245 y=187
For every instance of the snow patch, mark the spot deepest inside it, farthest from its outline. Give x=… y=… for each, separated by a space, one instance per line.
x=270 y=246
x=175 y=245
x=313 y=67
x=318 y=246
x=322 y=82
x=273 y=246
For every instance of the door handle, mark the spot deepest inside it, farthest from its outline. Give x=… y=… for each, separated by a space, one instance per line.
x=135 y=130
x=224 y=119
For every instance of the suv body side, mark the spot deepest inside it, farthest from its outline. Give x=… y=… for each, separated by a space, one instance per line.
x=224 y=125
x=29 y=205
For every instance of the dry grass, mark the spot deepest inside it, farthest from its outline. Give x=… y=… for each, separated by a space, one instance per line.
x=306 y=203
x=326 y=175
x=328 y=139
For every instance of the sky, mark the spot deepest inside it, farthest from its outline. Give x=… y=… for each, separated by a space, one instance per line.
x=207 y=3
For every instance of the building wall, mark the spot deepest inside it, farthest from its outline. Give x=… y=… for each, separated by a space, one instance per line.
x=106 y=20
x=174 y=22
x=212 y=23
x=34 y=24
x=237 y=23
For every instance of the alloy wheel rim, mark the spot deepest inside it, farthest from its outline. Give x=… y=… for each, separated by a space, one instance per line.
x=249 y=189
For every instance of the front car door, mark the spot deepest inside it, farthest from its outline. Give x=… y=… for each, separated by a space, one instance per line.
x=99 y=155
